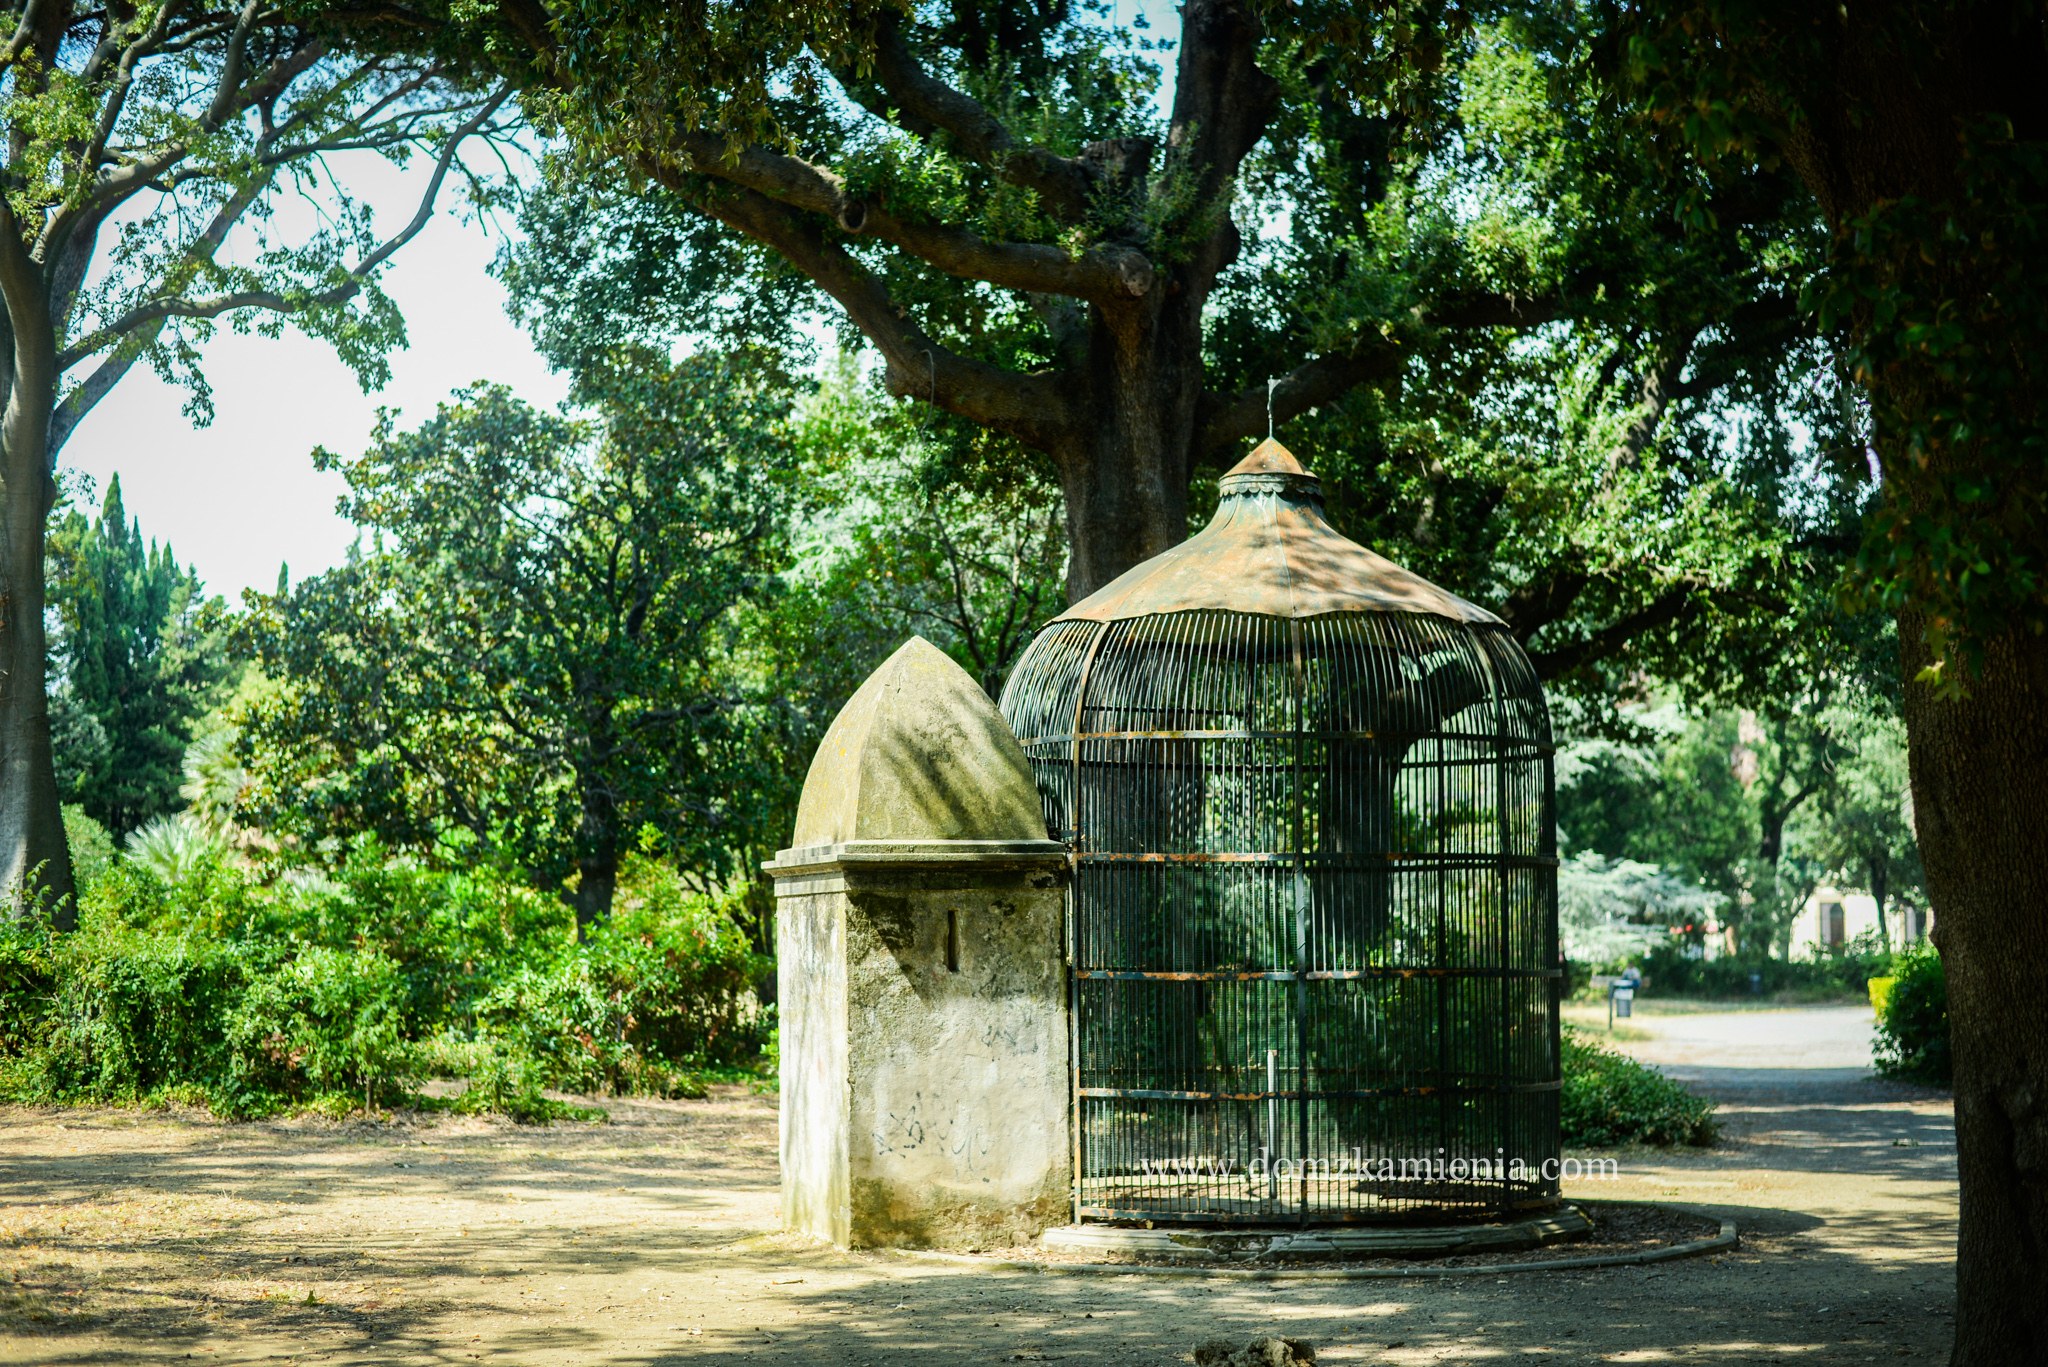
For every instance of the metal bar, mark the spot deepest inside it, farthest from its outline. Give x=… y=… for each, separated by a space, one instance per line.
x=1229 y=975
x=1347 y=1093
x=1074 y=1023
x=1392 y=858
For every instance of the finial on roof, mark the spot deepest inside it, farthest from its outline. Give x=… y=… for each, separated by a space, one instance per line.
x=1269 y=457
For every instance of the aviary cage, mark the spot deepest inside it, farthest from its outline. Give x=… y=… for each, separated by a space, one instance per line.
x=1312 y=942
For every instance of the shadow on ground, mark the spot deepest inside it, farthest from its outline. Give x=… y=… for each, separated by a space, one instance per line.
x=139 y=1238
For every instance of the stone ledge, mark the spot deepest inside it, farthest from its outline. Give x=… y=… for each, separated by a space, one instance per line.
x=916 y=854
x=1183 y=1244
x=1727 y=1237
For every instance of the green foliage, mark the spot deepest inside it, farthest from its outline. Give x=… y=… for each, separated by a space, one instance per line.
x=1609 y=1099
x=945 y=533
x=137 y=657
x=176 y=849
x=1912 y=1029
x=1674 y=972
x=1754 y=808
x=252 y=996
x=92 y=849
x=659 y=990
x=1611 y=910
x=1934 y=280
x=214 y=125
x=1575 y=379
x=533 y=659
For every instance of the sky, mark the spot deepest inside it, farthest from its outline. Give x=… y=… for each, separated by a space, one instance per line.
x=240 y=497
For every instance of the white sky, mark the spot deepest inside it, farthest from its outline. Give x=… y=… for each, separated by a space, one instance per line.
x=240 y=497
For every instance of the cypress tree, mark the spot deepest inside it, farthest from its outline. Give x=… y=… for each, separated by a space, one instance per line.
x=138 y=656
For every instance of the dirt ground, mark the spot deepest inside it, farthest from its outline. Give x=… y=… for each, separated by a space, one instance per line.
x=144 y=1238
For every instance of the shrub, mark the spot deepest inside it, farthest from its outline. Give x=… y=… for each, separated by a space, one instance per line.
x=1912 y=1029
x=1672 y=973
x=92 y=849
x=658 y=992
x=253 y=990
x=322 y=1020
x=1610 y=1099
x=128 y=1013
x=176 y=847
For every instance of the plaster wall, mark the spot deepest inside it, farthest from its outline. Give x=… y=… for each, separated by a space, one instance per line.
x=950 y=1128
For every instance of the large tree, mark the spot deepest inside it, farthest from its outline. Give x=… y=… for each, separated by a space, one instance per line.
x=1047 y=237
x=1920 y=128
x=146 y=151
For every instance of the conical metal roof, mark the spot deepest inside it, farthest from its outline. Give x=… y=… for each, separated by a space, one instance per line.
x=1270 y=551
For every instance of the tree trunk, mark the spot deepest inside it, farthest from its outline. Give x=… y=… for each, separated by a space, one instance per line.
x=1880 y=885
x=1125 y=478
x=1981 y=813
x=597 y=878
x=1886 y=101
x=34 y=857
x=597 y=855
x=1125 y=503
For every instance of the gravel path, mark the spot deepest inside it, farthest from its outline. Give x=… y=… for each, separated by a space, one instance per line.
x=141 y=1238
x=1793 y=1048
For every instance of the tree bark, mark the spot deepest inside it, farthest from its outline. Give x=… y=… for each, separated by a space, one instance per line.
x=597 y=879
x=1982 y=818
x=1125 y=472
x=34 y=857
x=597 y=848
x=1880 y=887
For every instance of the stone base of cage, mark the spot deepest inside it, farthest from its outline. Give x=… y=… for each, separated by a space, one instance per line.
x=1254 y=1244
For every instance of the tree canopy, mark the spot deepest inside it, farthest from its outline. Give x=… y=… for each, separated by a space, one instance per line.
x=1527 y=355
x=531 y=651
x=137 y=658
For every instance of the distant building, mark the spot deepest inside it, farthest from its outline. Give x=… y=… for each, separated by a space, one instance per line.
x=1832 y=918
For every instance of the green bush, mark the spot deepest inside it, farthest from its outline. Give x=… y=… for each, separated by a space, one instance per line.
x=322 y=1020
x=658 y=992
x=119 y=1015
x=1610 y=1099
x=1912 y=1030
x=92 y=849
x=1672 y=974
x=253 y=991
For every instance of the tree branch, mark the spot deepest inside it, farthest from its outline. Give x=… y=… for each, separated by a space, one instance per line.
x=1539 y=602
x=1222 y=102
x=24 y=32
x=928 y=107
x=1101 y=273
x=1230 y=422
x=1496 y=311
x=1677 y=603
x=1765 y=323
x=228 y=91
x=156 y=311
x=1033 y=407
x=1653 y=398
x=130 y=177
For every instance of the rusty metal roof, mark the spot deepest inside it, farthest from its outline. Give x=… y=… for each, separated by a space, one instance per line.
x=1270 y=551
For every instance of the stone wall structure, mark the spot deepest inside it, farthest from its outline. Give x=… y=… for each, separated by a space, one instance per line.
x=925 y=1083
